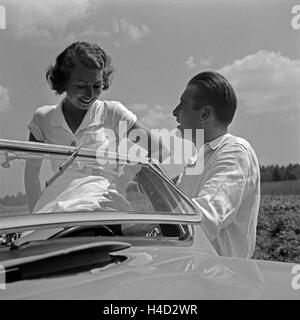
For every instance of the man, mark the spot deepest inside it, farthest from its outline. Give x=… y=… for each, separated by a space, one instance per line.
x=227 y=191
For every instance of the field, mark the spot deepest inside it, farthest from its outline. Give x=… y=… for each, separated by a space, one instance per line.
x=278 y=229
x=13 y=210
x=281 y=188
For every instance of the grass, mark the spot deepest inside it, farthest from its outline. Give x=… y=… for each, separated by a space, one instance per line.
x=278 y=228
x=13 y=210
x=281 y=187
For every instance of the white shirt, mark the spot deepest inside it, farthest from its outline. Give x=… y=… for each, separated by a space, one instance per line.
x=49 y=125
x=228 y=195
x=78 y=188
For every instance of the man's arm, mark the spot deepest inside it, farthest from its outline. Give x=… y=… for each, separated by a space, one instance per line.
x=222 y=193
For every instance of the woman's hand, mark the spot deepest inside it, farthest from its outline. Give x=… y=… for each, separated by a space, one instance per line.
x=129 y=173
x=116 y=201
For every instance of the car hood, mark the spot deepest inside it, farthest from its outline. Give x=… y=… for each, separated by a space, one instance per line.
x=162 y=272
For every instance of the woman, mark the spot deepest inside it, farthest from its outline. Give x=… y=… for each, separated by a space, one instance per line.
x=82 y=71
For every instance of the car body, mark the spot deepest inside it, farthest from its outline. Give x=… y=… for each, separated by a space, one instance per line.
x=158 y=250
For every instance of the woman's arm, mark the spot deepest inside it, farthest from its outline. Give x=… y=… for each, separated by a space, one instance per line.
x=32 y=178
x=152 y=143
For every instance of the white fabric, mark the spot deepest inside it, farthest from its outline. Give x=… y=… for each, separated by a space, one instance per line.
x=228 y=194
x=75 y=190
x=81 y=194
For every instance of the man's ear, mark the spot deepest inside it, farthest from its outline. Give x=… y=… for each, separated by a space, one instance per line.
x=206 y=112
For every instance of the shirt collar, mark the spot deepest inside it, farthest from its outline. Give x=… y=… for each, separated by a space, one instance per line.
x=217 y=142
x=58 y=119
x=212 y=145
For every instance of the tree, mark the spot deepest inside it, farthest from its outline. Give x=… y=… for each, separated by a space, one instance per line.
x=277 y=175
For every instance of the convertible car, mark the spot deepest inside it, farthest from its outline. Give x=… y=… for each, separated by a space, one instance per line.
x=107 y=227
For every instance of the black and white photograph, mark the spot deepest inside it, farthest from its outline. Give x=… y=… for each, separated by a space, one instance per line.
x=149 y=151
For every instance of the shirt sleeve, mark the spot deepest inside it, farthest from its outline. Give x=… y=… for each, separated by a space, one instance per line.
x=120 y=113
x=223 y=191
x=35 y=127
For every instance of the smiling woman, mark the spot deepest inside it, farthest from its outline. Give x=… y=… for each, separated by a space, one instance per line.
x=81 y=71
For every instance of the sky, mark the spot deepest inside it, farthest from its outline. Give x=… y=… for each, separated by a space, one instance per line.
x=156 y=47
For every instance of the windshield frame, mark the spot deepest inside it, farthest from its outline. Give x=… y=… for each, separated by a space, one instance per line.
x=31 y=150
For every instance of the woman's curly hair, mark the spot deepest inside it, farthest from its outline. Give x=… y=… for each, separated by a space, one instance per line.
x=88 y=54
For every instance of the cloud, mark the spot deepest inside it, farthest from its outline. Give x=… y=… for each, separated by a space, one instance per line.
x=129 y=32
x=93 y=34
x=265 y=82
x=4 y=100
x=199 y=62
x=295 y=117
x=190 y=62
x=58 y=21
x=156 y=117
x=141 y=109
x=40 y=19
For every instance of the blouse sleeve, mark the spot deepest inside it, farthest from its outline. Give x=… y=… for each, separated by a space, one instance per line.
x=35 y=127
x=117 y=113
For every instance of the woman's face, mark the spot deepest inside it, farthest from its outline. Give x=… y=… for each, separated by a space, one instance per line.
x=84 y=86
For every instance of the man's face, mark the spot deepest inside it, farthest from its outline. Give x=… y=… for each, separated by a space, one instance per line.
x=187 y=113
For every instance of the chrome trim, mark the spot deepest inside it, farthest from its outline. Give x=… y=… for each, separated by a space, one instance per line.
x=61 y=150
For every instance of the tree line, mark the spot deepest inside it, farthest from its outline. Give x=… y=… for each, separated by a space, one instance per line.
x=280 y=173
x=11 y=200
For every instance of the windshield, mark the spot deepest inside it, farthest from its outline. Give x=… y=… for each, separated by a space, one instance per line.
x=86 y=184
x=74 y=181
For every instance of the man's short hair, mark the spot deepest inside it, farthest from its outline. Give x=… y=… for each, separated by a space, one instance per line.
x=220 y=94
